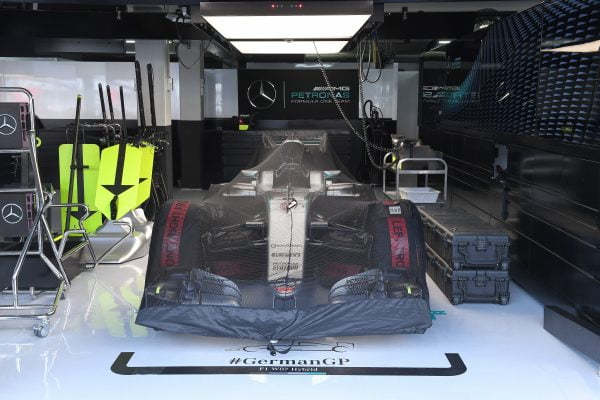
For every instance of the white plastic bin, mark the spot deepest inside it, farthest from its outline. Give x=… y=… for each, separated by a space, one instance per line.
x=419 y=194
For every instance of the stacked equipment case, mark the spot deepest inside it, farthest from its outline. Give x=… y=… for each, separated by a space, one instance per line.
x=468 y=259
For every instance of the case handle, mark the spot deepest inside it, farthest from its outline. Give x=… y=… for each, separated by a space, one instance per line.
x=462 y=250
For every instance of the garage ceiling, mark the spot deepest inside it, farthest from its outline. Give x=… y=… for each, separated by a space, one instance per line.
x=98 y=32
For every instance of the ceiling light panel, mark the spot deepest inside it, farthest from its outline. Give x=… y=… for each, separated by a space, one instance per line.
x=287 y=20
x=289 y=47
x=288 y=26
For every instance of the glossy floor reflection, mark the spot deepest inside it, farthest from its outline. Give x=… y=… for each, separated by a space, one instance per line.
x=507 y=353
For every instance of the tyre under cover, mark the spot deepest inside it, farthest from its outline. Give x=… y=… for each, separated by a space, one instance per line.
x=351 y=265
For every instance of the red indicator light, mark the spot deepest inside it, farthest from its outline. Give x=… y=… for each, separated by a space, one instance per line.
x=300 y=5
x=272 y=5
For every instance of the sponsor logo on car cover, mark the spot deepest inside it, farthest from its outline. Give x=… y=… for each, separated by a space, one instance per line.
x=172 y=236
x=395 y=210
x=399 y=242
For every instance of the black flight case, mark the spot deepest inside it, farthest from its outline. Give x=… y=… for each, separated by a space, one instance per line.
x=467 y=258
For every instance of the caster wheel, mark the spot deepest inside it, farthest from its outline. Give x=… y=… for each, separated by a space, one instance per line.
x=42 y=329
x=504 y=300
x=456 y=300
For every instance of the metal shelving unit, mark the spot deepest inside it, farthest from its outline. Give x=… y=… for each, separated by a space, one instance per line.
x=38 y=240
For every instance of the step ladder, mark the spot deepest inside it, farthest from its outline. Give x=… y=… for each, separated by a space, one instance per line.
x=23 y=210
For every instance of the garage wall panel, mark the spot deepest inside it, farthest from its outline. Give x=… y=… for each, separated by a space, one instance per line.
x=55 y=85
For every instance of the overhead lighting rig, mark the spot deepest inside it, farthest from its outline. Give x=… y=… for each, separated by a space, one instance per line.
x=267 y=27
x=289 y=46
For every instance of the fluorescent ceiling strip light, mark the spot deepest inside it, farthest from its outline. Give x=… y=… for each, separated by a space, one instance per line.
x=289 y=47
x=288 y=26
x=589 y=47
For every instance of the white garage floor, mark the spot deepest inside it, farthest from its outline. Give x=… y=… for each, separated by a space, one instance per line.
x=507 y=353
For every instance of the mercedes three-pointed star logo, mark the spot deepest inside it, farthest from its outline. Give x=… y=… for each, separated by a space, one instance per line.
x=12 y=213
x=8 y=124
x=261 y=94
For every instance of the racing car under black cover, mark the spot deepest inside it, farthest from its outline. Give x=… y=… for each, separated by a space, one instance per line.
x=292 y=248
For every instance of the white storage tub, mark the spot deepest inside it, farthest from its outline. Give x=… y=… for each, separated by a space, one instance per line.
x=419 y=194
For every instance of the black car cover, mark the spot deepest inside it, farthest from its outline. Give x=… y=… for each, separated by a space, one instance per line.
x=292 y=248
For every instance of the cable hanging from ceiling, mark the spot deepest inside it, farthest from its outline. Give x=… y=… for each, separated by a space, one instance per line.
x=181 y=41
x=362 y=136
x=369 y=45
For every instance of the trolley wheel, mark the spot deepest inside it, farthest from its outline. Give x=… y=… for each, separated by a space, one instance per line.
x=41 y=329
x=457 y=300
x=504 y=300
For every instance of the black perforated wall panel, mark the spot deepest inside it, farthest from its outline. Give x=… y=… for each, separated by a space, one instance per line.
x=518 y=85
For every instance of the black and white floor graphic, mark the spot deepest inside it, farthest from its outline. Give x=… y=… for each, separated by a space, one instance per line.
x=318 y=363
x=95 y=351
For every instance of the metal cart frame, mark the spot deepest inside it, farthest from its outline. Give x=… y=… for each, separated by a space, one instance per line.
x=400 y=171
